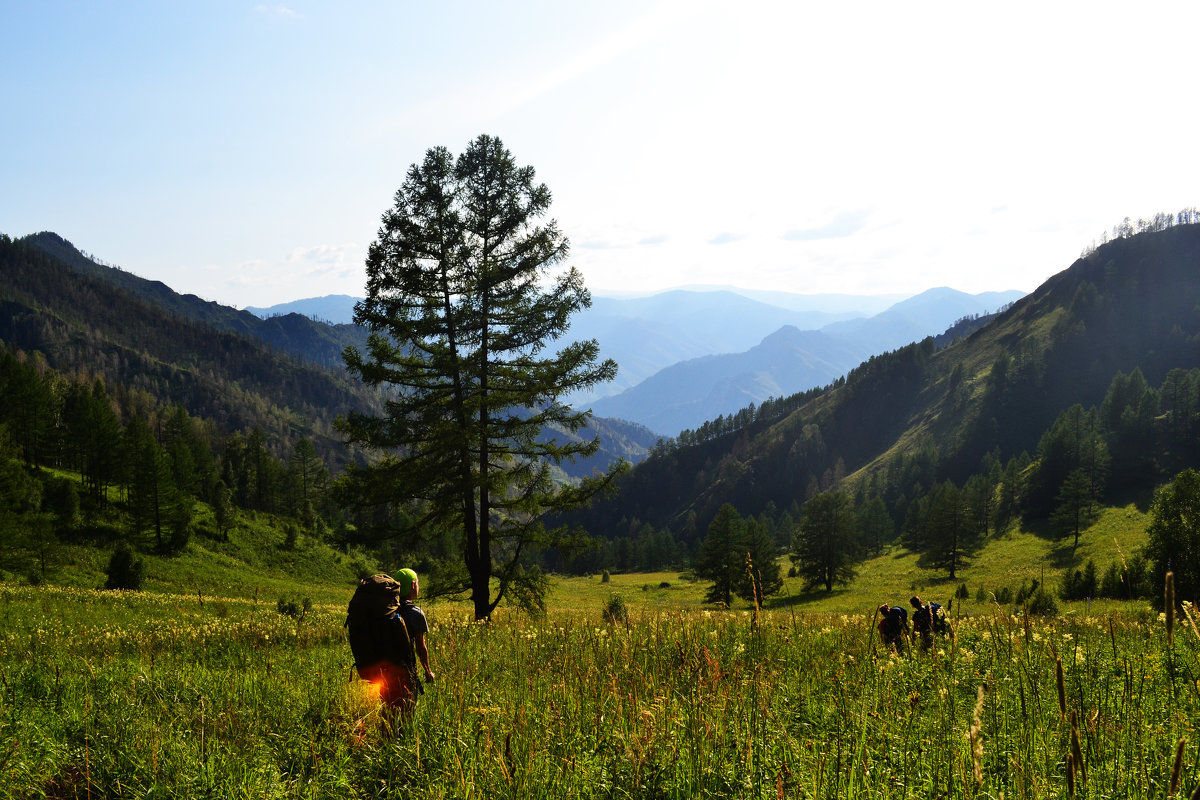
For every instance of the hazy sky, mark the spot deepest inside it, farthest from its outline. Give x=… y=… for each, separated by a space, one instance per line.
x=245 y=152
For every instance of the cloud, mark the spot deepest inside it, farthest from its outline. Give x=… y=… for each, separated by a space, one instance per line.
x=276 y=11
x=726 y=238
x=650 y=241
x=324 y=259
x=843 y=225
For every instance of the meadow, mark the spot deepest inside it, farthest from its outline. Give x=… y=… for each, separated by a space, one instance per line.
x=112 y=694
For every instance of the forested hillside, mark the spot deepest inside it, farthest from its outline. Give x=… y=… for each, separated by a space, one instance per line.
x=1086 y=391
x=128 y=417
x=302 y=337
x=87 y=327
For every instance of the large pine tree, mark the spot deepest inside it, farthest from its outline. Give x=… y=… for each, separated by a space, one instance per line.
x=465 y=291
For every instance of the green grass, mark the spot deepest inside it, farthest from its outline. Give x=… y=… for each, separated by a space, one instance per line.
x=143 y=695
x=1005 y=560
x=200 y=688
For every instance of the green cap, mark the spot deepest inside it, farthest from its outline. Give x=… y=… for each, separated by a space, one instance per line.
x=406 y=578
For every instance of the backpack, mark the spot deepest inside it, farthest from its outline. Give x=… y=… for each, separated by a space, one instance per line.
x=940 y=624
x=923 y=619
x=897 y=620
x=375 y=629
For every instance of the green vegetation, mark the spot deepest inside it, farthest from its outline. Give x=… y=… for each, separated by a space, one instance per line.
x=130 y=694
x=467 y=299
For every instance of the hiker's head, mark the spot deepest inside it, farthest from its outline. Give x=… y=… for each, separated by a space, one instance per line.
x=884 y=609
x=408 y=583
x=916 y=601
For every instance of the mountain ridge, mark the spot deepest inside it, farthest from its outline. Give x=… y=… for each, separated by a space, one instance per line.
x=920 y=414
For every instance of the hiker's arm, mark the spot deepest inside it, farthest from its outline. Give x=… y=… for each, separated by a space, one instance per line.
x=423 y=654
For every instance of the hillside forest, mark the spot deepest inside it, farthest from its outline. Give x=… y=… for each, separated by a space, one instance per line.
x=133 y=427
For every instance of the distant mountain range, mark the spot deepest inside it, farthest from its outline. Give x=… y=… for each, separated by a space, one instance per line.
x=283 y=376
x=787 y=361
x=942 y=410
x=689 y=355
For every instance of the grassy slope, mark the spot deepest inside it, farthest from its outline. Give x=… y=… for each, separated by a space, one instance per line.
x=1007 y=560
x=254 y=564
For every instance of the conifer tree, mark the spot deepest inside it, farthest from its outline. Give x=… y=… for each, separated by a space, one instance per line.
x=722 y=558
x=465 y=294
x=824 y=545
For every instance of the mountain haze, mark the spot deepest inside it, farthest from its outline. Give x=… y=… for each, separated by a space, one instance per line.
x=787 y=361
x=687 y=394
x=934 y=414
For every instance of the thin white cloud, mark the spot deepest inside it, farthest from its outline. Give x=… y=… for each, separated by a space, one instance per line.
x=276 y=11
x=726 y=238
x=845 y=224
x=324 y=258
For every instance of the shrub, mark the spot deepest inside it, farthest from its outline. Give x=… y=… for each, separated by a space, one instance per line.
x=291 y=534
x=1042 y=603
x=1080 y=584
x=289 y=607
x=125 y=571
x=615 y=611
x=605 y=577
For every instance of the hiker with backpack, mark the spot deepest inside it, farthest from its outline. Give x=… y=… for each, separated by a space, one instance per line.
x=928 y=619
x=893 y=625
x=387 y=637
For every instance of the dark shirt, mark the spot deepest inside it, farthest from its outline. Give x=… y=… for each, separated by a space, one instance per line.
x=414 y=619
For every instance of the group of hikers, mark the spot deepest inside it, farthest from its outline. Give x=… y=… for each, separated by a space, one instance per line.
x=387 y=635
x=928 y=620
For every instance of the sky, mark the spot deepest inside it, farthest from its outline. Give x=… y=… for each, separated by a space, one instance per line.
x=245 y=152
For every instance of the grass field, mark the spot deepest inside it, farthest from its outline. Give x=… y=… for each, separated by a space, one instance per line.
x=142 y=695
x=202 y=688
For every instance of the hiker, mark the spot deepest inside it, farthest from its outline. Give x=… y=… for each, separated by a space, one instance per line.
x=928 y=619
x=922 y=627
x=414 y=618
x=387 y=636
x=893 y=624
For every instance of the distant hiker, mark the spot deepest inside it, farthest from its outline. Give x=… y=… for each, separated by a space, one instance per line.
x=928 y=620
x=893 y=625
x=387 y=636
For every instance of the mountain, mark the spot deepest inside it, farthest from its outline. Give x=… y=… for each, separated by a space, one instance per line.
x=787 y=361
x=292 y=333
x=911 y=320
x=647 y=333
x=687 y=394
x=141 y=338
x=333 y=309
x=904 y=420
x=283 y=376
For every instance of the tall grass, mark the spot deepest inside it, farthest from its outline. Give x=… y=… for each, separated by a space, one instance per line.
x=131 y=695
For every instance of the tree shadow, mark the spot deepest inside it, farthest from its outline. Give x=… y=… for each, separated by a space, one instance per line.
x=803 y=598
x=1040 y=528
x=1140 y=497
x=1062 y=554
